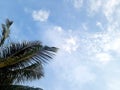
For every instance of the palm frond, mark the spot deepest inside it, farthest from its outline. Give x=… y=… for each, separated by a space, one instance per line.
x=5 y=31
x=12 y=76
x=22 y=54
x=32 y=72
x=24 y=61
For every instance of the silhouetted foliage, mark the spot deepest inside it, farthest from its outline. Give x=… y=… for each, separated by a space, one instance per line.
x=18 y=87
x=21 y=61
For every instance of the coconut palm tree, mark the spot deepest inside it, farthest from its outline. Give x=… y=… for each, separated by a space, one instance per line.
x=21 y=61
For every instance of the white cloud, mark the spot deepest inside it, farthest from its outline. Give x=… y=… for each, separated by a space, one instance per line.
x=94 y=5
x=103 y=58
x=77 y=50
x=98 y=45
x=113 y=43
x=70 y=44
x=73 y=72
x=110 y=8
x=102 y=44
x=63 y=39
x=78 y=74
x=77 y=3
x=116 y=45
x=97 y=49
x=40 y=15
x=114 y=85
x=112 y=76
x=68 y=59
x=99 y=24
x=107 y=41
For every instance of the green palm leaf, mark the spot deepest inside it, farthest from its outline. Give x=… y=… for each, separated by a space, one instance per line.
x=22 y=54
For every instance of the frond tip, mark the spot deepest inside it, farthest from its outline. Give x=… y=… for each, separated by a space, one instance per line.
x=5 y=31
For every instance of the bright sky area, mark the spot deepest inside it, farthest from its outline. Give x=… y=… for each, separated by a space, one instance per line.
x=87 y=33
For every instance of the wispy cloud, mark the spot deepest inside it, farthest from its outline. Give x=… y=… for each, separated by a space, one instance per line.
x=97 y=48
x=68 y=59
x=99 y=24
x=94 y=5
x=87 y=33
x=103 y=58
x=77 y=3
x=62 y=38
x=110 y=8
x=113 y=84
x=83 y=55
x=40 y=15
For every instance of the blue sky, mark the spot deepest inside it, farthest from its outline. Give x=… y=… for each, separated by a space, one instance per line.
x=87 y=33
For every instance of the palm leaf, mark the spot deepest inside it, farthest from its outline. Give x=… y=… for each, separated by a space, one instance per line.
x=32 y=72
x=20 y=62
x=24 y=61
x=22 y=54
x=10 y=76
x=5 y=31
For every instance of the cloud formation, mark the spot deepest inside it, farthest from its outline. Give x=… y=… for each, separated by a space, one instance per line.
x=77 y=3
x=85 y=57
x=87 y=33
x=79 y=50
x=40 y=15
